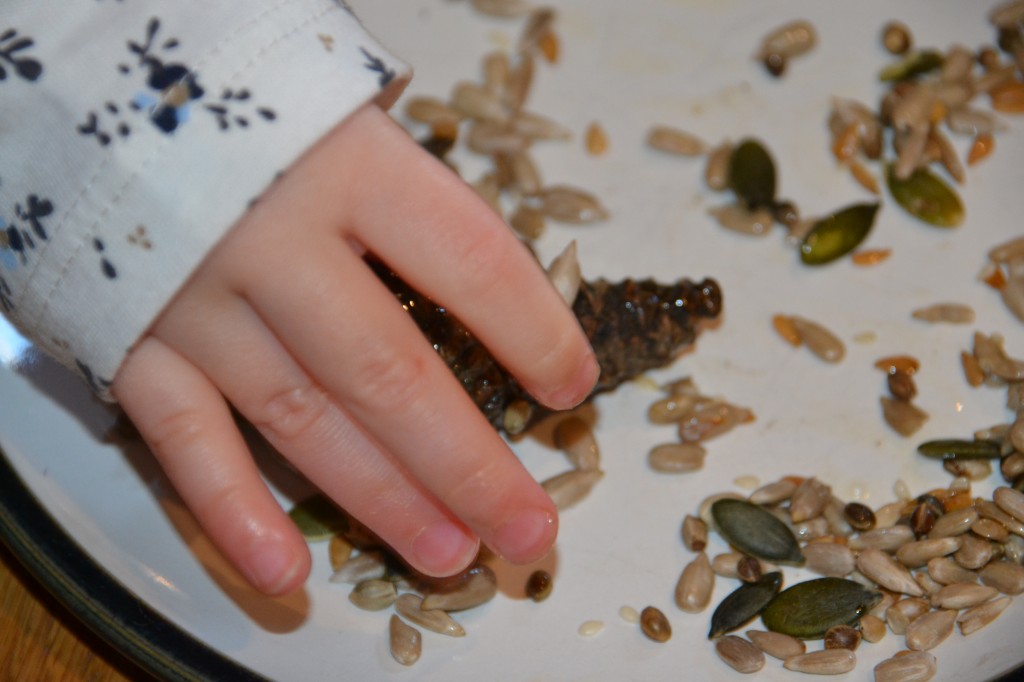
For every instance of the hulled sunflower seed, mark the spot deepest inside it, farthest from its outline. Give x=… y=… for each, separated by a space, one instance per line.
x=975 y=618
x=819 y=340
x=409 y=606
x=675 y=141
x=740 y=654
x=945 y=571
x=571 y=487
x=809 y=500
x=564 y=273
x=931 y=629
x=776 y=644
x=829 y=559
x=373 y=595
x=918 y=553
x=695 y=534
x=905 y=418
x=339 y=551
x=716 y=169
x=676 y=457
x=789 y=40
x=962 y=596
x=990 y=530
x=470 y=588
x=1010 y=501
x=774 y=493
x=872 y=628
x=575 y=438
x=953 y=313
x=1004 y=576
x=887 y=538
x=404 y=641
x=476 y=102
x=914 y=666
x=366 y=565
x=695 y=584
x=823 y=662
x=953 y=523
x=884 y=570
x=570 y=205
x=502 y=8
x=736 y=218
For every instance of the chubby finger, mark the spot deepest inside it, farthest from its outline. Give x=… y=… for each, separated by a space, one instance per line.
x=190 y=430
x=346 y=329
x=432 y=229
x=302 y=421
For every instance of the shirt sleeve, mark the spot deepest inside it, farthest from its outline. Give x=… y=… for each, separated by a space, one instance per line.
x=134 y=134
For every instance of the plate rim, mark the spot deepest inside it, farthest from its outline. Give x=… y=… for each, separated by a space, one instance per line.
x=112 y=611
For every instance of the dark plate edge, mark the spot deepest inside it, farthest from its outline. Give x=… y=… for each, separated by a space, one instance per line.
x=102 y=603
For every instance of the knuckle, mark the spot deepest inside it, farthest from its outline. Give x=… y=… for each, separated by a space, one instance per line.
x=181 y=430
x=390 y=381
x=290 y=413
x=482 y=259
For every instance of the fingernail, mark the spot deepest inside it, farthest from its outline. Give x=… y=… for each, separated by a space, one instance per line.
x=271 y=568
x=527 y=536
x=443 y=548
x=579 y=387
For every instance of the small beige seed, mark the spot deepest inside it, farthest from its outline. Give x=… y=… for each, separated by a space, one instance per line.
x=952 y=313
x=930 y=630
x=676 y=458
x=823 y=662
x=913 y=666
x=716 y=170
x=675 y=141
x=404 y=641
x=820 y=340
x=974 y=552
x=777 y=644
x=590 y=628
x=629 y=614
x=671 y=409
x=740 y=654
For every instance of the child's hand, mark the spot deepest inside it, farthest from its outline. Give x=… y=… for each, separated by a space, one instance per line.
x=286 y=322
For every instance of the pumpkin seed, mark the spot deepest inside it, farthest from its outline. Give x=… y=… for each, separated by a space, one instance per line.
x=912 y=65
x=472 y=587
x=838 y=234
x=926 y=197
x=776 y=644
x=404 y=641
x=954 y=448
x=740 y=654
x=744 y=604
x=823 y=662
x=808 y=609
x=755 y=531
x=318 y=518
x=409 y=606
x=912 y=666
x=752 y=174
x=655 y=625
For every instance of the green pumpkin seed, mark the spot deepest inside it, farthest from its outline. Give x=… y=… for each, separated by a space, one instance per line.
x=808 y=609
x=744 y=603
x=955 y=448
x=318 y=519
x=838 y=234
x=926 y=197
x=755 y=531
x=752 y=174
x=911 y=66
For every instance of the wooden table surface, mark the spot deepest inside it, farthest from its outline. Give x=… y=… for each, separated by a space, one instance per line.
x=40 y=640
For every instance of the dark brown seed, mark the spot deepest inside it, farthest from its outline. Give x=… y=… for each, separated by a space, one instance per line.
x=896 y=37
x=923 y=518
x=539 y=585
x=655 y=625
x=749 y=569
x=859 y=516
x=901 y=385
x=842 y=637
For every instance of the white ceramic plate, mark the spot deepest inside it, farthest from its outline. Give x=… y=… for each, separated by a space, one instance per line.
x=628 y=66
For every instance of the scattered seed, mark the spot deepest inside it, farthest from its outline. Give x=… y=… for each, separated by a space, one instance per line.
x=502 y=8
x=575 y=438
x=952 y=313
x=318 y=518
x=859 y=516
x=905 y=418
x=962 y=596
x=872 y=628
x=590 y=628
x=408 y=605
x=716 y=169
x=373 y=595
x=823 y=662
x=819 y=339
x=744 y=604
x=789 y=40
x=776 y=644
x=755 y=531
x=539 y=585
x=740 y=654
x=570 y=205
x=974 y=552
x=737 y=218
x=596 y=139
x=470 y=588
x=926 y=197
x=675 y=141
x=888 y=538
x=1010 y=501
x=919 y=553
x=571 y=487
x=695 y=534
x=655 y=625
x=842 y=637
x=404 y=641
x=676 y=457
x=896 y=37
x=752 y=174
x=954 y=448
x=564 y=273
x=930 y=629
x=809 y=500
x=368 y=565
x=912 y=666
x=829 y=559
x=808 y=609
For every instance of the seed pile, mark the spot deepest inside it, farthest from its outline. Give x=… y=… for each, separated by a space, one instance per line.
x=917 y=567
x=492 y=117
x=698 y=418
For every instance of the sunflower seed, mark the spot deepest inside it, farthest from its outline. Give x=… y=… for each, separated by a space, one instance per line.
x=975 y=618
x=755 y=531
x=884 y=570
x=829 y=559
x=571 y=487
x=368 y=565
x=963 y=595
x=773 y=493
x=523 y=173
x=823 y=662
x=953 y=313
x=373 y=595
x=736 y=218
x=789 y=40
x=945 y=571
x=990 y=530
x=744 y=604
x=974 y=552
x=931 y=629
x=408 y=605
x=575 y=438
x=564 y=273
x=809 y=500
x=676 y=457
x=570 y=205
x=404 y=641
x=716 y=169
x=470 y=588
x=872 y=628
x=475 y=101
x=655 y=625
x=540 y=22
x=693 y=589
x=695 y=534
x=902 y=613
x=819 y=339
x=596 y=139
x=905 y=418
x=776 y=644
x=537 y=127
x=740 y=654
x=1010 y=501
x=490 y=137
x=913 y=666
x=954 y=523
x=675 y=141
x=712 y=418
x=994 y=360
x=1004 y=576
x=529 y=223
x=889 y=539
x=339 y=551
x=919 y=553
